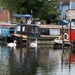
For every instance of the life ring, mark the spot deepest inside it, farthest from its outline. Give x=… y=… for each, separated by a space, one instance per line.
x=66 y=36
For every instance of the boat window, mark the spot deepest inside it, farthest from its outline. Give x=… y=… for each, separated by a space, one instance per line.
x=23 y=29
x=54 y=31
x=32 y=30
x=18 y=28
x=36 y=29
x=74 y=23
x=44 y=31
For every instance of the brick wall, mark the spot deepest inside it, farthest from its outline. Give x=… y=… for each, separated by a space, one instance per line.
x=4 y=15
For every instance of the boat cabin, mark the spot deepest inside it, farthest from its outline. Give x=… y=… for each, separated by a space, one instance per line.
x=6 y=30
x=29 y=30
x=50 y=30
x=24 y=31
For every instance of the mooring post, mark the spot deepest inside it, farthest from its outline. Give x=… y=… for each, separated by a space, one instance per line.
x=27 y=42
x=62 y=48
x=70 y=46
x=21 y=38
x=36 y=46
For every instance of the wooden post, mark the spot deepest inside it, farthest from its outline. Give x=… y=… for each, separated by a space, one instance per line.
x=21 y=36
x=70 y=46
x=36 y=46
x=62 y=39
x=21 y=43
x=62 y=48
x=27 y=42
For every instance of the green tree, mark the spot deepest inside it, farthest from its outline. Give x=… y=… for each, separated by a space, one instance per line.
x=1 y=4
x=43 y=9
x=50 y=11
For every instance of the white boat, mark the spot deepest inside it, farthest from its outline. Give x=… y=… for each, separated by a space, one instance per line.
x=58 y=41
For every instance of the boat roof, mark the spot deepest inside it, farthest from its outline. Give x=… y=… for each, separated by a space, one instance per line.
x=51 y=26
x=22 y=15
x=5 y=24
x=64 y=22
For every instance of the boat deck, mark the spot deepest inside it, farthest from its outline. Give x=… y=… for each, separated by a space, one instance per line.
x=32 y=37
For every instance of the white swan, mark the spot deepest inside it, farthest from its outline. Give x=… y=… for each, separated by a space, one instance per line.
x=12 y=44
x=33 y=44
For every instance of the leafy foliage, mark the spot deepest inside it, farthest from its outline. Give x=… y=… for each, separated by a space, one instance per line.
x=43 y=9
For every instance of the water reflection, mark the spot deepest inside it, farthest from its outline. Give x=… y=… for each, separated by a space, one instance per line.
x=35 y=61
x=4 y=62
x=15 y=62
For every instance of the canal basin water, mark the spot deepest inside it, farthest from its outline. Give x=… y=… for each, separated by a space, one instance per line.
x=36 y=61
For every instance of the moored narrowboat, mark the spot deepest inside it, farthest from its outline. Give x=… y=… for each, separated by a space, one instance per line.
x=50 y=31
x=23 y=31
x=6 y=32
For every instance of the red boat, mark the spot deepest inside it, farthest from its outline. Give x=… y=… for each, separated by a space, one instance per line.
x=71 y=58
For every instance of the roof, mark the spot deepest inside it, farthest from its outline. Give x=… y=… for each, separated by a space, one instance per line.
x=64 y=22
x=50 y=26
x=22 y=15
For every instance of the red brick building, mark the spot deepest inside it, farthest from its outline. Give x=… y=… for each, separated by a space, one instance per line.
x=4 y=15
